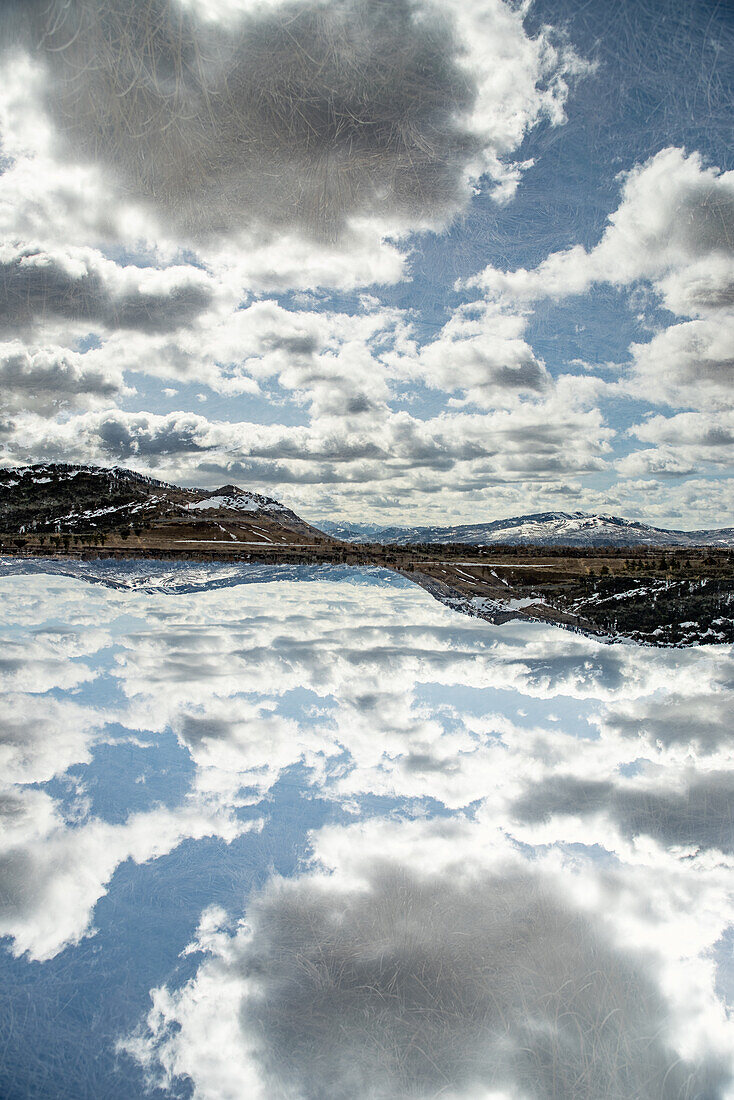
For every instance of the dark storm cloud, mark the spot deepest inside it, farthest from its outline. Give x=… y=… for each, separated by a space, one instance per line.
x=702 y=720
x=277 y=473
x=123 y=436
x=37 y=287
x=417 y=987
x=44 y=379
x=701 y=815
x=297 y=116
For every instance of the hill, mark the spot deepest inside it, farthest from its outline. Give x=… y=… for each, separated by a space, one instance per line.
x=58 y=498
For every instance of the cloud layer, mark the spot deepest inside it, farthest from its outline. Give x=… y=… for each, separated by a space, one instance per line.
x=292 y=115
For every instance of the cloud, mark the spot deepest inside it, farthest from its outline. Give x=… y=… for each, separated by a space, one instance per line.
x=52 y=874
x=696 y=816
x=240 y=744
x=166 y=161
x=41 y=737
x=673 y=230
x=674 y=213
x=688 y=364
x=298 y=116
x=658 y=462
x=680 y=720
x=141 y=434
x=229 y=682
x=697 y=502
x=366 y=662
x=692 y=442
x=712 y=431
x=355 y=439
x=308 y=113
x=37 y=286
x=46 y=379
x=395 y=982
x=480 y=352
x=55 y=866
x=40 y=665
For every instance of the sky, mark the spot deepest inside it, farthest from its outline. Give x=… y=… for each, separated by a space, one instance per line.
x=390 y=261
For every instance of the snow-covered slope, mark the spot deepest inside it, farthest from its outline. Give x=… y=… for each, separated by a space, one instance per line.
x=231 y=499
x=543 y=528
x=244 y=503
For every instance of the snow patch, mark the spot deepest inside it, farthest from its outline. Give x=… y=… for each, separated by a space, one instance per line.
x=242 y=503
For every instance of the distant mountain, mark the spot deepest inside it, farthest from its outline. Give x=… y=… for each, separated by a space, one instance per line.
x=63 y=498
x=539 y=529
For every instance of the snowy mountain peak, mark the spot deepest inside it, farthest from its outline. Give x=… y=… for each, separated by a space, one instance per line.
x=233 y=499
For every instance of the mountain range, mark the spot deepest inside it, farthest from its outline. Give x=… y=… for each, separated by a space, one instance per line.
x=59 y=497
x=597 y=574
x=537 y=529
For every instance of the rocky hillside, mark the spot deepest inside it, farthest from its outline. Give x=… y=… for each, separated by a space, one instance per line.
x=60 y=498
x=540 y=529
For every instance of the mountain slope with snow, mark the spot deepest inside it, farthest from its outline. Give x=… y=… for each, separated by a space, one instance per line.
x=539 y=529
x=64 y=498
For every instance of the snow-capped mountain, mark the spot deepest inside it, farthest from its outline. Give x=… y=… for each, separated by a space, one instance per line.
x=540 y=529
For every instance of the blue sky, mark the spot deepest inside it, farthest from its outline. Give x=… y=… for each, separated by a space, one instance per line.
x=385 y=261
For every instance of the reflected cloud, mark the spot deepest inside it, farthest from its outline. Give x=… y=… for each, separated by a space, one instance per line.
x=387 y=979
x=696 y=815
x=52 y=874
x=41 y=737
x=224 y=683
x=527 y=904
x=699 y=722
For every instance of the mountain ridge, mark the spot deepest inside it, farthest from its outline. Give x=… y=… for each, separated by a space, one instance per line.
x=63 y=497
x=650 y=592
x=535 y=529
